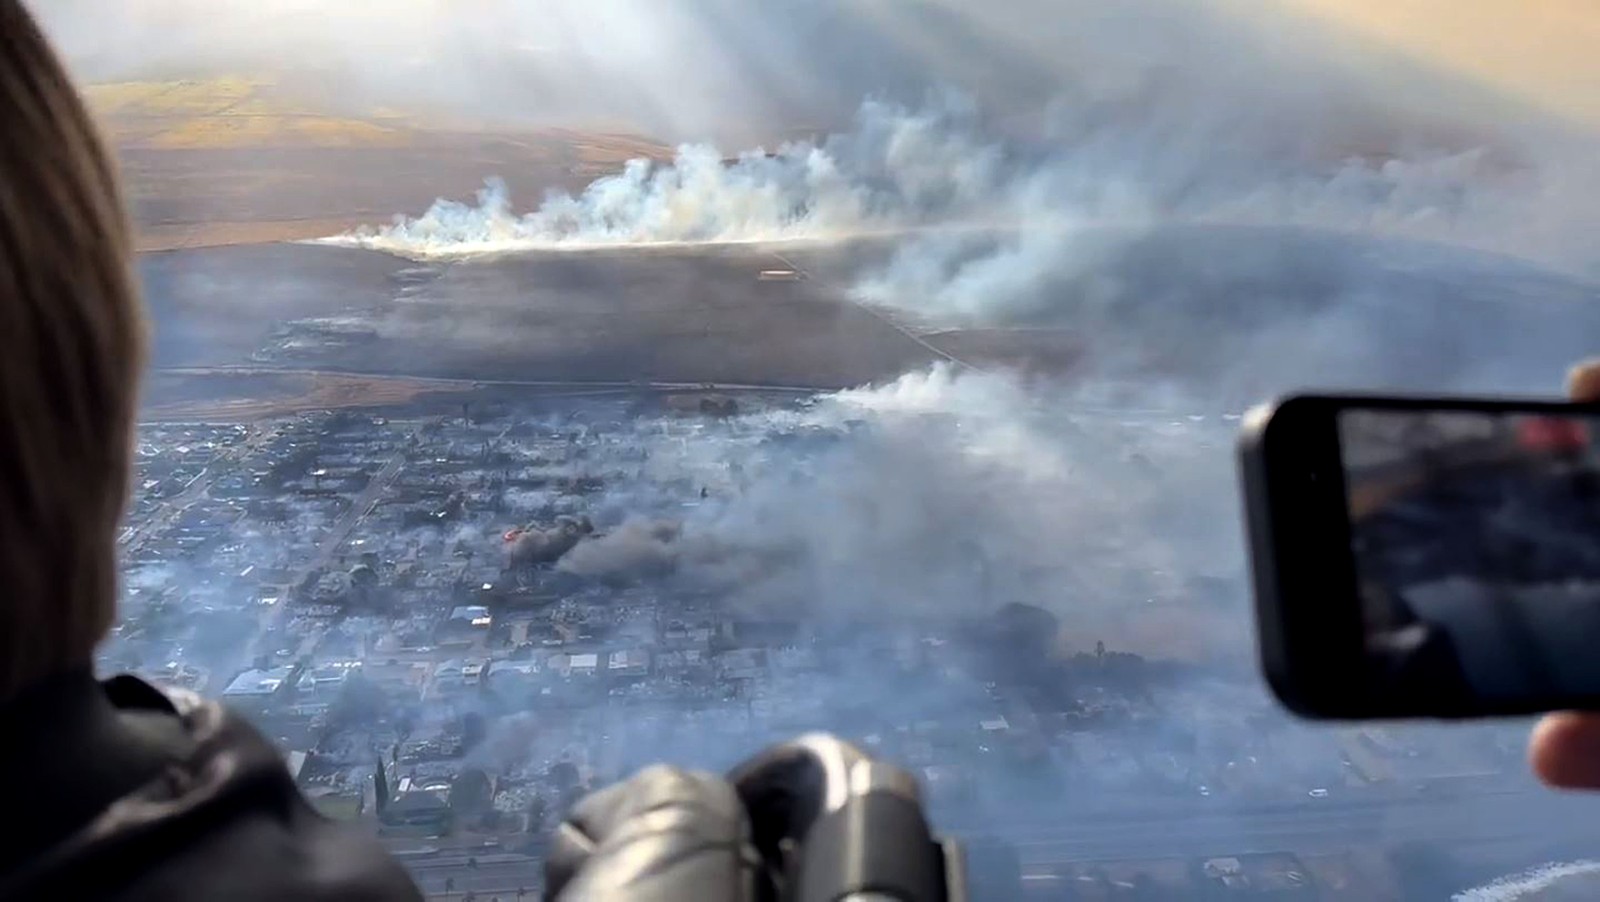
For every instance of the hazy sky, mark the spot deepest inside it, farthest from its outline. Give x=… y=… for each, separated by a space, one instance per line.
x=1542 y=51
x=687 y=68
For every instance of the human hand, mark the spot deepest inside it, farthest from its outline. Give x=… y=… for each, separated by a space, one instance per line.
x=665 y=835
x=1565 y=747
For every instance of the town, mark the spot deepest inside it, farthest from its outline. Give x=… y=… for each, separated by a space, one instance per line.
x=458 y=618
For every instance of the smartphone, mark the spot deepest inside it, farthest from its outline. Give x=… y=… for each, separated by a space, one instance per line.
x=1425 y=557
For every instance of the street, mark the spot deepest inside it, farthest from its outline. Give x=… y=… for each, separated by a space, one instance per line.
x=1514 y=824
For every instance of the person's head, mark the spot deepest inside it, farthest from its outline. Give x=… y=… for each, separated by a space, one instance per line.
x=71 y=346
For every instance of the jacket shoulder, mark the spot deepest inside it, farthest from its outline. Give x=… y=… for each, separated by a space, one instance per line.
x=224 y=821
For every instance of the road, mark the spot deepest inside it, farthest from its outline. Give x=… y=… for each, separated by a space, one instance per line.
x=578 y=387
x=450 y=382
x=360 y=506
x=196 y=489
x=1316 y=826
x=1520 y=824
x=843 y=292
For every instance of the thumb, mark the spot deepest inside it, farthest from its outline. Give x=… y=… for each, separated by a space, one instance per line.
x=1583 y=381
x=1565 y=747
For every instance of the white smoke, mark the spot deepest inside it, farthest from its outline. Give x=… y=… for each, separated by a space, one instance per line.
x=950 y=493
x=902 y=170
x=895 y=169
x=1572 y=880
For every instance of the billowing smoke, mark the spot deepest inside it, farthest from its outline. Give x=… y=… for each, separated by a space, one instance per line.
x=508 y=742
x=1138 y=227
x=533 y=545
x=1214 y=210
x=896 y=168
x=638 y=548
x=944 y=495
x=1570 y=880
x=938 y=170
x=903 y=170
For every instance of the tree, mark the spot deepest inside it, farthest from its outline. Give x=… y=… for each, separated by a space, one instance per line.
x=537 y=808
x=1024 y=629
x=474 y=728
x=470 y=793
x=1426 y=870
x=360 y=701
x=564 y=775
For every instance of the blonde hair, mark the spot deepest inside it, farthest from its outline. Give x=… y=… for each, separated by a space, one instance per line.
x=71 y=348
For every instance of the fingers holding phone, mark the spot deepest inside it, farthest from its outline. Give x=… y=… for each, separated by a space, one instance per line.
x=1564 y=749
x=1426 y=557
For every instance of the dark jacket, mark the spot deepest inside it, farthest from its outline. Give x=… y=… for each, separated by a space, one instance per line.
x=119 y=791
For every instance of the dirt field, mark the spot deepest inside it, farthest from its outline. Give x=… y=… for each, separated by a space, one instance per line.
x=215 y=306
x=221 y=172
x=1048 y=351
x=227 y=397
x=195 y=197
x=237 y=160
x=158 y=237
x=606 y=316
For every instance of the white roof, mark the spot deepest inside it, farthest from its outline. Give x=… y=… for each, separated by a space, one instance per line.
x=469 y=612
x=584 y=661
x=257 y=682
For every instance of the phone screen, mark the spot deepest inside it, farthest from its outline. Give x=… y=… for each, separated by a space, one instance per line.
x=1476 y=542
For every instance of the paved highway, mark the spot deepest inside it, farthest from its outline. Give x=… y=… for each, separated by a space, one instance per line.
x=1524 y=817
x=575 y=387
x=1521 y=824
x=450 y=382
x=133 y=539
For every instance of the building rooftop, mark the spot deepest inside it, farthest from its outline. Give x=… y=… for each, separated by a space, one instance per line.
x=257 y=682
x=524 y=667
x=632 y=659
x=471 y=613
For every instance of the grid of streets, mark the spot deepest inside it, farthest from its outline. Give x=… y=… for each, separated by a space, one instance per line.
x=391 y=599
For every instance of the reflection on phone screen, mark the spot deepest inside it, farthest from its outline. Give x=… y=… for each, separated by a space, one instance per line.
x=1476 y=538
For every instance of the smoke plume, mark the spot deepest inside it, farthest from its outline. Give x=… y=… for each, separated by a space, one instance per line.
x=536 y=545
x=938 y=169
x=1215 y=202
x=638 y=548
